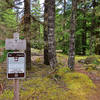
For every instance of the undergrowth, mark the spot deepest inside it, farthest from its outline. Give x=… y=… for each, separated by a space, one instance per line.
x=3 y=57
x=61 y=84
x=71 y=86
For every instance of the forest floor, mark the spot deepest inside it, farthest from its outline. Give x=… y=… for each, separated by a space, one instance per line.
x=43 y=83
x=95 y=77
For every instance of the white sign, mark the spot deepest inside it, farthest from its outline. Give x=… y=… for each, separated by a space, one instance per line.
x=16 y=36
x=16 y=65
x=15 y=43
x=11 y=44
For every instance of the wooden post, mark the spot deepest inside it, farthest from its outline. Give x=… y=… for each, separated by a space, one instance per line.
x=16 y=89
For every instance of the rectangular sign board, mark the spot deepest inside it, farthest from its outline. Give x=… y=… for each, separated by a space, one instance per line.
x=16 y=65
x=11 y=44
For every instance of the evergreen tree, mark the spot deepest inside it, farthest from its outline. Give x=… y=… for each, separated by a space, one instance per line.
x=71 y=58
x=27 y=22
x=46 y=58
x=49 y=36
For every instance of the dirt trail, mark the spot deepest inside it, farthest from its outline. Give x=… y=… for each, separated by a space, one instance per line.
x=96 y=79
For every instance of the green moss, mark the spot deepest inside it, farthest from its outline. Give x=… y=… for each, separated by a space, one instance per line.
x=38 y=60
x=73 y=86
x=7 y=95
x=79 y=84
x=63 y=70
x=77 y=58
x=43 y=89
x=90 y=67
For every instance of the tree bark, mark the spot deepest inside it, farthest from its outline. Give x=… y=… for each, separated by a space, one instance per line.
x=46 y=59
x=50 y=46
x=51 y=32
x=27 y=22
x=64 y=25
x=71 y=58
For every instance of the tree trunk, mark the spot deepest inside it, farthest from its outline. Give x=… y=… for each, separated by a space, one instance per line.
x=49 y=37
x=71 y=58
x=27 y=22
x=92 y=36
x=46 y=59
x=84 y=32
x=64 y=25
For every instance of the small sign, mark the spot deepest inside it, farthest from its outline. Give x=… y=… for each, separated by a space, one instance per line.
x=16 y=36
x=11 y=44
x=15 y=43
x=16 y=65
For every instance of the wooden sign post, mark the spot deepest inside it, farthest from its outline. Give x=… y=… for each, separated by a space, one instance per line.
x=16 y=62
x=16 y=89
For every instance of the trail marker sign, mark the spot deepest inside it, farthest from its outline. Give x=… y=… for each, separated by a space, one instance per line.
x=16 y=65
x=15 y=43
x=16 y=62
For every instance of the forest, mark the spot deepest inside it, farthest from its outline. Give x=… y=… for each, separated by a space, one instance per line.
x=62 y=48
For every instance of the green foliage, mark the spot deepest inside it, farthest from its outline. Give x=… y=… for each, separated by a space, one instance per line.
x=2 y=43
x=3 y=57
x=62 y=24
x=21 y=37
x=62 y=34
x=36 y=28
x=37 y=44
x=7 y=19
x=7 y=22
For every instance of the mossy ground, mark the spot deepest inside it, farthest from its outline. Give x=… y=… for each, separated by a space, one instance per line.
x=42 y=83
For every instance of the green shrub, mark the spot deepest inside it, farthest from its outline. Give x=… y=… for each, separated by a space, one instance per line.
x=37 y=44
